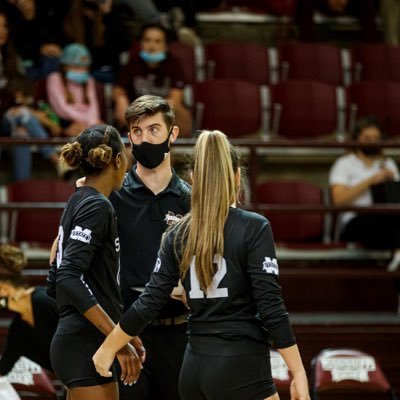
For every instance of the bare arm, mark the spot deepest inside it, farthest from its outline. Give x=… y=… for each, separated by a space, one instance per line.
x=299 y=386
x=105 y=355
x=343 y=195
x=126 y=354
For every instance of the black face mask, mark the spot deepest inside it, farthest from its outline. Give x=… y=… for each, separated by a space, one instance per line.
x=371 y=150
x=151 y=155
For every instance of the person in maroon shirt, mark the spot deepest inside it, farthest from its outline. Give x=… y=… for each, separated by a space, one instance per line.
x=152 y=70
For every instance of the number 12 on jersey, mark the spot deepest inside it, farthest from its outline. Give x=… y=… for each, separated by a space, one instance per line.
x=213 y=291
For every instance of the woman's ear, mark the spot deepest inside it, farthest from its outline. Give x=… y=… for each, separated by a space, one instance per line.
x=117 y=161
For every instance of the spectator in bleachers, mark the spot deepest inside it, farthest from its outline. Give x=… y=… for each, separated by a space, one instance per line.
x=390 y=14
x=36 y=29
x=152 y=70
x=23 y=120
x=350 y=180
x=18 y=118
x=365 y=10
x=91 y=23
x=72 y=91
x=35 y=313
x=10 y=65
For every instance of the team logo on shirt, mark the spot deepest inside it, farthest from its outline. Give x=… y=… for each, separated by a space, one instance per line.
x=158 y=265
x=171 y=218
x=83 y=235
x=270 y=266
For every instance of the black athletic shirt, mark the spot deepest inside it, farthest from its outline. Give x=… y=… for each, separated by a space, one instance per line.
x=86 y=269
x=30 y=341
x=143 y=217
x=246 y=299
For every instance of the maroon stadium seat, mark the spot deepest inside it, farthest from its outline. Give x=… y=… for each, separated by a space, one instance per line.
x=350 y=374
x=36 y=226
x=308 y=109
x=30 y=380
x=246 y=61
x=191 y=59
x=237 y=108
x=380 y=99
x=305 y=228
x=376 y=61
x=280 y=372
x=314 y=61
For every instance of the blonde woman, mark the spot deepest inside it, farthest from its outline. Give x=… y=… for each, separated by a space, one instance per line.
x=226 y=260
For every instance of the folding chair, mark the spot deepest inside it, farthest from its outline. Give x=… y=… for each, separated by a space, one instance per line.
x=308 y=109
x=300 y=229
x=378 y=98
x=240 y=60
x=31 y=380
x=315 y=61
x=376 y=61
x=350 y=374
x=36 y=226
x=236 y=107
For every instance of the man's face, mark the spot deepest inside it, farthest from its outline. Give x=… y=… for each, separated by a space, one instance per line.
x=150 y=129
x=153 y=41
x=370 y=135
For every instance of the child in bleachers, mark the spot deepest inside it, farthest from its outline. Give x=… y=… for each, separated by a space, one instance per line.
x=72 y=91
x=23 y=120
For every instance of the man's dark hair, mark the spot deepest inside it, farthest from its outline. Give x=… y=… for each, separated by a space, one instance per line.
x=156 y=25
x=364 y=123
x=148 y=105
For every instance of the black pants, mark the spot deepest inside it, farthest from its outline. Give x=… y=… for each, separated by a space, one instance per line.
x=165 y=346
x=374 y=231
x=218 y=369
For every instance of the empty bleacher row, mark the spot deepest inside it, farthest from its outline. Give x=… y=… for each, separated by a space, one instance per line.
x=295 y=90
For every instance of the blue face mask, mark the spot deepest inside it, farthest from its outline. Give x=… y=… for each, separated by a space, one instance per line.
x=153 y=57
x=78 y=76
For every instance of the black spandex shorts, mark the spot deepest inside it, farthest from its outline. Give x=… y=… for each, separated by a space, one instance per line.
x=218 y=369
x=71 y=358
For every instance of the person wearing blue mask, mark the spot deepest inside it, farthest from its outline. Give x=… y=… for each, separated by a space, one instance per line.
x=152 y=70
x=72 y=90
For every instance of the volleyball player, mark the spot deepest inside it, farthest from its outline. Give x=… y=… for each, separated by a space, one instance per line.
x=226 y=259
x=85 y=272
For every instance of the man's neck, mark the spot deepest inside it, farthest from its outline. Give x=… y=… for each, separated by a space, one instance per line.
x=156 y=179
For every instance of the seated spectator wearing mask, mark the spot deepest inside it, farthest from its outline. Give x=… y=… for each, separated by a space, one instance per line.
x=350 y=180
x=152 y=71
x=72 y=91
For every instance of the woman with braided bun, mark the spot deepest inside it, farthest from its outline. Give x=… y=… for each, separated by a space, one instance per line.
x=36 y=317
x=84 y=276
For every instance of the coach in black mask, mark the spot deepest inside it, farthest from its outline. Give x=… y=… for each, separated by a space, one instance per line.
x=152 y=198
x=351 y=178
